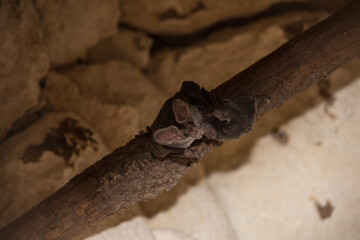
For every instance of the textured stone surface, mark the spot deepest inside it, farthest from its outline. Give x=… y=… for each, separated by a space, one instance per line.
x=119 y=83
x=132 y=227
x=196 y=214
x=166 y=234
x=115 y=124
x=226 y=52
x=274 y=195
x=71 y=27
x=131 y=46
x=186 y=16
x=42 y=158
x=23 y=61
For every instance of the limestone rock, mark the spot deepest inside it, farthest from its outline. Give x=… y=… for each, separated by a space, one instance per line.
x=131 y=46
x=225 y=53
x=71 y=27
x=42 y=158
x=132 y=229
x=196 y=214
x=23 y=61
x=305 y=189
x=166 y=234
x=176 y=17
x=119 y=83
x=115 y=124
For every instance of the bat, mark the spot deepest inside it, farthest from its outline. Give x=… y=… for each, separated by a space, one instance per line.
x=235 y=118
x=198 y=114
x=223 y=119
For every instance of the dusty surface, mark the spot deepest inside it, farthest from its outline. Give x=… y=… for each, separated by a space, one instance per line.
x=112 y=66
x=23 y=61
x=121 y=84
x=183 y=17
x=71 y=27
x=121 y=121
x=238 y=50
x=45 y=155
x=131 y=46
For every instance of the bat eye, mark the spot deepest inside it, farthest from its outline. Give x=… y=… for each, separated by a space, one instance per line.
x=186 y=135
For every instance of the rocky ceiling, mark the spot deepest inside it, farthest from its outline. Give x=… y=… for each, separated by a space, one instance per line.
x=80 y=78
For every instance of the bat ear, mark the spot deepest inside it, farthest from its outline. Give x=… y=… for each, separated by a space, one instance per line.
x=181 y=110
x=166 y=136
x=195 y=115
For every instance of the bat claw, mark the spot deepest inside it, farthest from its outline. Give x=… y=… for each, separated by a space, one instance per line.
x=220 y=114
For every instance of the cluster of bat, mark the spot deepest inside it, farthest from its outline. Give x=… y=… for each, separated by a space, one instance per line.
x=198 y=120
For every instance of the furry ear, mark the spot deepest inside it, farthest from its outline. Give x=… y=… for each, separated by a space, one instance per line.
x=181 y=110
x=166 y=136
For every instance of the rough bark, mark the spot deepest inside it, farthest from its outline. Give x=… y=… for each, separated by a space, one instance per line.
x=301 y=62
x=132 y=174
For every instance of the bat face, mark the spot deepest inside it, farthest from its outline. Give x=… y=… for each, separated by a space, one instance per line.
x=190 y=117
x=193 y=131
